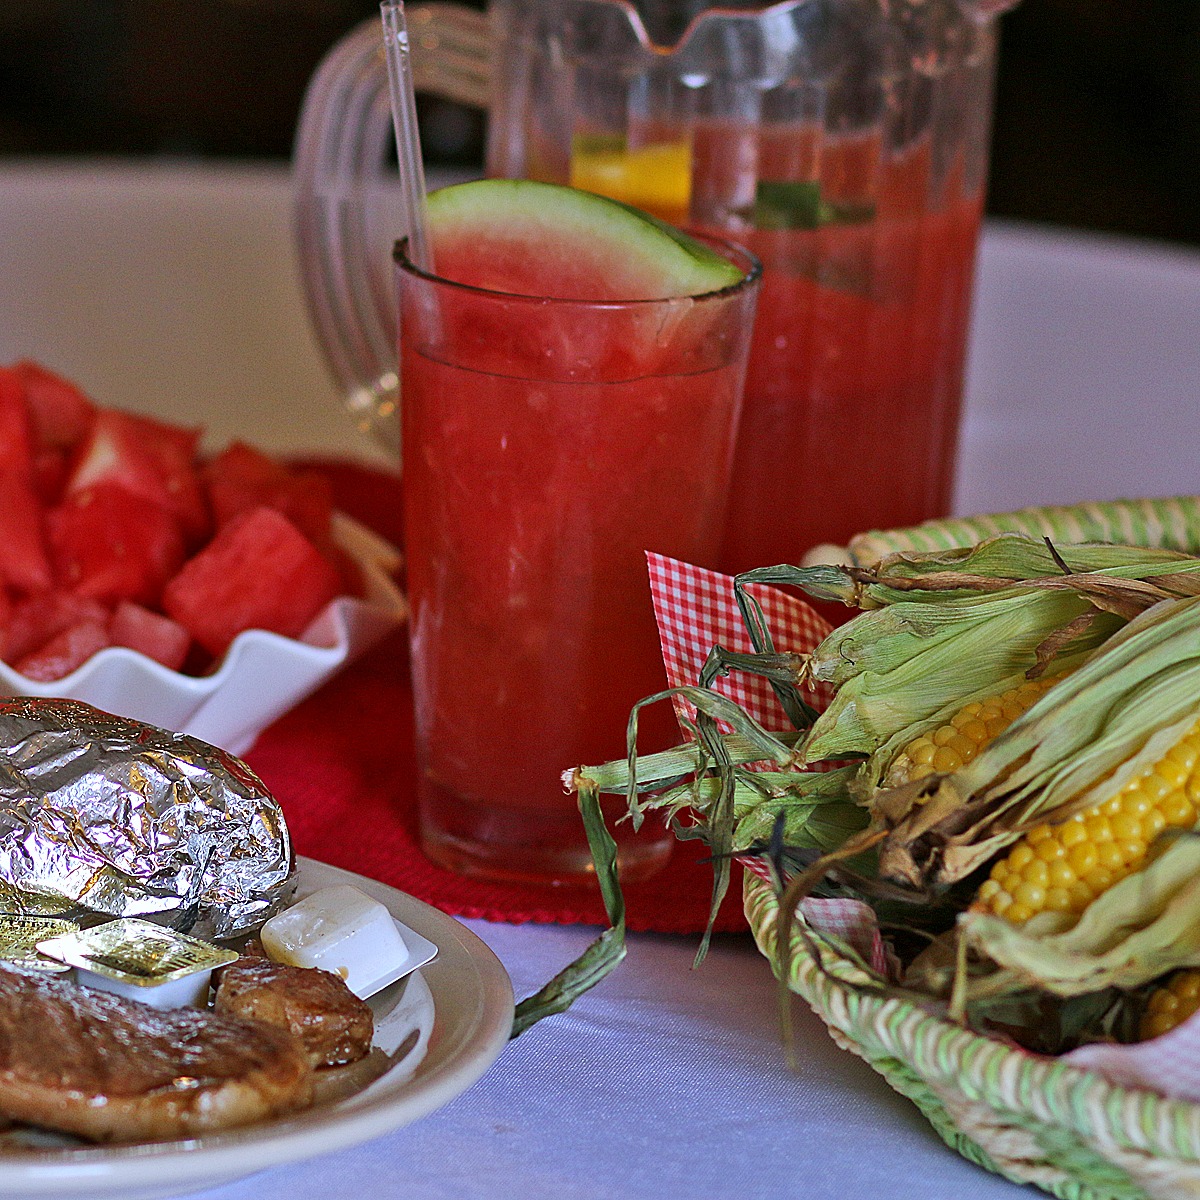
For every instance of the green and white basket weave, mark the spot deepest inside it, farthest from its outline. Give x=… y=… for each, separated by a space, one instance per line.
x=1172 y=522
x=1030 y=1118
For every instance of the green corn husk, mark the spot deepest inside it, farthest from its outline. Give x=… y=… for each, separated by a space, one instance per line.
x=808 y=809
x=1003 y=558
x=1077 y=745
x=899 y=669
x=1172 y=522
x=944 y=630
x=606 y=952
x=706 y=779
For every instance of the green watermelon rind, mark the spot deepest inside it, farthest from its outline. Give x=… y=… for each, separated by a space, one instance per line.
x=675 y=263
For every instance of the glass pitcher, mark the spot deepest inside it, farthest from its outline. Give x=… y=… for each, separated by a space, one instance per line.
x=843 y=141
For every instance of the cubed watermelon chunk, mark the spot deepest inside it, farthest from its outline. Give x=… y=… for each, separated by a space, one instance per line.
x=258 y=572
x=23 y=561
x=34 y=620
x=62 y=415
x=16 y=439
x=110 y=544
x=149 y=458
x=50 y=470
x=149 y=633
x=64 y=652
x=241 y=478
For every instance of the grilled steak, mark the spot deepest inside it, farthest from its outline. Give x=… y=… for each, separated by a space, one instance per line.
x=333 y=1024
x=110 y=1069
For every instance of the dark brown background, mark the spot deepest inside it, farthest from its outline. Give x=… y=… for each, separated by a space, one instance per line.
x=1097 y=122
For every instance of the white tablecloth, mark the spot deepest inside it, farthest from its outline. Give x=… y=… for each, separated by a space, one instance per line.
x=171 y=289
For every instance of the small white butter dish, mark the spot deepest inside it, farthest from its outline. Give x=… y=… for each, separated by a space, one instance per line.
x=343 y=930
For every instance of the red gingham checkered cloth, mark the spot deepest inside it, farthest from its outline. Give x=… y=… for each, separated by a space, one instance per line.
x=1169 y=1064
x=696 y=609
x=849 y=921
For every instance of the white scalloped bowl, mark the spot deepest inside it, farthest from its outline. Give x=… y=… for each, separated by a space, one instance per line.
x=262 y=675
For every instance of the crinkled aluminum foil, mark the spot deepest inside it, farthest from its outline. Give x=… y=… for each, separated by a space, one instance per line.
x=100 y=814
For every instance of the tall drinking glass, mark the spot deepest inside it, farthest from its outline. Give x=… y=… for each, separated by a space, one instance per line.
x=547 y=445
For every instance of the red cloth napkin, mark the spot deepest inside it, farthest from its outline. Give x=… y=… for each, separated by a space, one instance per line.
x=342 y=766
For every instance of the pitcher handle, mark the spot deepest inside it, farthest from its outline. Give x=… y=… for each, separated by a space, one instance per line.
x=341 y=185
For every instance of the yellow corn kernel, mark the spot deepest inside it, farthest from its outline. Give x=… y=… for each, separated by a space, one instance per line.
x=1178 y=810
x=1153 y=823
x=954 y=744
x=1051 y=850
x=946 y=760
x=1062 y=874
x=1021 y=857
x=1171 y=1004
x=1072 y=833
x=1175 y=773
x=1064 y=867
x=1186 y=754
x=922 y=751
x=1083 y=857
x=988 y=889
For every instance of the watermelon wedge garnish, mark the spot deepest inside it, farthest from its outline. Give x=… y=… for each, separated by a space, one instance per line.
x=543 y=239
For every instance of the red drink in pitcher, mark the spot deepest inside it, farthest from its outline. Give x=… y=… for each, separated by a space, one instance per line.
x=853 y=393
x=851 y=412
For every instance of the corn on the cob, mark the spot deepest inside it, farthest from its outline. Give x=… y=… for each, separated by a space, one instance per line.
x=953 y=744
x=1064 y=867
x=1170 y=1005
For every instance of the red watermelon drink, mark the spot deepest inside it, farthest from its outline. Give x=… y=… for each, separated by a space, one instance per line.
x=571 y=382
x=856 y=370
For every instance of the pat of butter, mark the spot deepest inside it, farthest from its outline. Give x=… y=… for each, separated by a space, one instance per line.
x=140 y=960
x=342 y=930
x=189 y=991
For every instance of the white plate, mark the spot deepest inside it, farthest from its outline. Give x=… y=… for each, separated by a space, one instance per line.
x=466 y=987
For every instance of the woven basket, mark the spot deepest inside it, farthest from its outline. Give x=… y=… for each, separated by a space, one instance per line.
x=1030 y=1118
